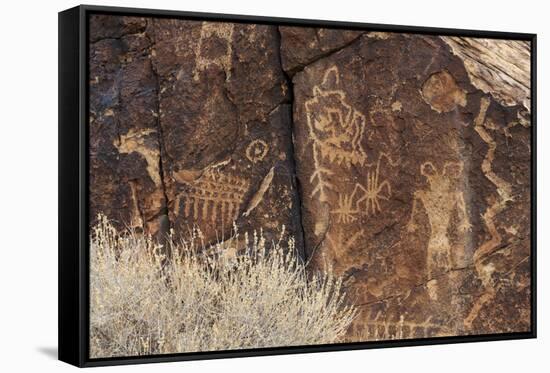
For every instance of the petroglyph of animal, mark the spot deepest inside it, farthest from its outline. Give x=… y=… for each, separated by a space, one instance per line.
x=440 y=200
x=218 y=34
x=347 y=207
x=375 y=190
x=368 y=201
x=336 y=129
x=212 y=196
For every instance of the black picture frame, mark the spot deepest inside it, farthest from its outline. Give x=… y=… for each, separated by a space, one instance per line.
x=73 y=186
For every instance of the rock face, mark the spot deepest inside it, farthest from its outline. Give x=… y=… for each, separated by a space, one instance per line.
x=190 y=124
x=225 y=120
x=125 y=178
x=385 y=155
x=410 y=178
x=314 y=43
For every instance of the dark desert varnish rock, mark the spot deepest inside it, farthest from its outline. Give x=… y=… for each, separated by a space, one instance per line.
x=401 y=170
x=415 y=187
x=125 y=176
x=312 y=43
x=206 y=140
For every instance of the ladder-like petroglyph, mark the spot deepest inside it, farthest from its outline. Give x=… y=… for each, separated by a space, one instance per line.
x=136 y=219
x=336 y=130
x=390 y=330
x=213 y=198
x=257 y=150
x=221 y=35
x=440 y=200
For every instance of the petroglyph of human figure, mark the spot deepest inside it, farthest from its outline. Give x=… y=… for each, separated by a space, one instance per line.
x=440 y=201
x=336 y=129
x=222 y=34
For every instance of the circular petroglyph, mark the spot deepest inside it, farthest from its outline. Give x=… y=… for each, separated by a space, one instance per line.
x=256 y=151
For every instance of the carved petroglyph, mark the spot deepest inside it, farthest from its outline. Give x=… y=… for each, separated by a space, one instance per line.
x=134 y=141
x=256 y=151
x=375 y=191
x=259 y=195
x=387 y=330
x=336 y=129
x=136 y=214
x=504 y=190
x=440 y=200
x=212 y=196
x=364 y=200
x=322 y=186
x=221 y=34
x=347 y=210
x=396 y=106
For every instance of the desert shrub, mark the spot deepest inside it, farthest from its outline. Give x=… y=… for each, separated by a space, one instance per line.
x=142 y=302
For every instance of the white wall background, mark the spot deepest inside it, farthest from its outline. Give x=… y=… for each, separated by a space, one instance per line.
x=28 y=187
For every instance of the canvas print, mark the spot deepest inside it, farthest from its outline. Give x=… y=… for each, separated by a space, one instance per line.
x=258 y=185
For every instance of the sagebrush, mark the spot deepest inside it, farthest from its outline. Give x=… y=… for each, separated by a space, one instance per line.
x=143 y=302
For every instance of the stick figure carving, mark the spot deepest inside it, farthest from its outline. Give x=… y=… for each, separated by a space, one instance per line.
x=375 y=190
x=368 y=201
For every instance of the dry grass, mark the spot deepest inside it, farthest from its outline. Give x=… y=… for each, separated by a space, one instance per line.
x=143 y=303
